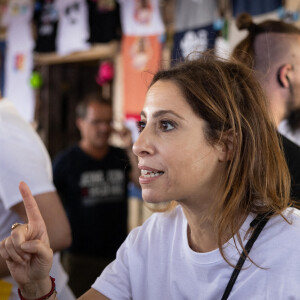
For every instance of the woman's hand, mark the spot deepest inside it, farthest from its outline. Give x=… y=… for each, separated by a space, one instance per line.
x=126 y=136
x=27 y=250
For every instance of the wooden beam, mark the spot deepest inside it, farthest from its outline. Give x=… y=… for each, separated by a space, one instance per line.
x=98 y=51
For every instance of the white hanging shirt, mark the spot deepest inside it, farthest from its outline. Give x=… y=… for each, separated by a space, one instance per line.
x=141 y=21
x=17 y=19
x=190 y=14
x=73 y=28
x=19 y=58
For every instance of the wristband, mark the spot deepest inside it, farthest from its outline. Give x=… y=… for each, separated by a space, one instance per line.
x=52 y=291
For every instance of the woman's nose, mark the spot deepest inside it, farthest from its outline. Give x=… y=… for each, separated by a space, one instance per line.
x=143 y=145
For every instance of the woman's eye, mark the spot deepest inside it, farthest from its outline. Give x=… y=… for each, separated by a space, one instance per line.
x=140 y=126
x=167 y=125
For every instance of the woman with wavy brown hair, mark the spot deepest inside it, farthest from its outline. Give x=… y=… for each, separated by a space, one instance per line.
x=209 y=152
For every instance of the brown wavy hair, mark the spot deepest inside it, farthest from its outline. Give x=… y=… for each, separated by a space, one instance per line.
x=228 y=97
x=244 y=50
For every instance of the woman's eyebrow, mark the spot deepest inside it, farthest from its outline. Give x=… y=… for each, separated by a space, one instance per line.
x=162 y=112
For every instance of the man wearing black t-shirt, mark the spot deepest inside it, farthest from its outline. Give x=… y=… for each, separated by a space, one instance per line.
x=272 y=49
x=92 y=179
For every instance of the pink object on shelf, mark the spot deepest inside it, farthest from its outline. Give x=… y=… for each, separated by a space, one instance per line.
x=105 y=73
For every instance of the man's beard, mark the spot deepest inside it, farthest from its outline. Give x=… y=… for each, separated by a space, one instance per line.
x=292 y=111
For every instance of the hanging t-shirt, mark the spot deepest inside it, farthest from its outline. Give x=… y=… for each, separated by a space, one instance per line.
x=141 y=18
x=46 y=18
x=291 y=12
x=73 y=28
x=194 y=13
x=19 y=59
x=192 y=40
x=2 y=60
x=254 y=7
x=141 y=59
x=104 y=22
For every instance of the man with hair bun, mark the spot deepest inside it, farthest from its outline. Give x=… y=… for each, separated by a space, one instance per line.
x=272 y=49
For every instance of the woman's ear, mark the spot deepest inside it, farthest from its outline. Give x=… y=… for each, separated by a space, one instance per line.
x=226 y=146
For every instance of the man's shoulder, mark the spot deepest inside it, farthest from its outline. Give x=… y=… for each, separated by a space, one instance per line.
x=67 y=155
x=285 y=229
x=287 y=143
x=117 y=153
x=291 y=150
x=72 y=150
x=114 y=149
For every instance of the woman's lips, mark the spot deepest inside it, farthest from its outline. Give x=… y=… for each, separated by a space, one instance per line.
x=149 y=175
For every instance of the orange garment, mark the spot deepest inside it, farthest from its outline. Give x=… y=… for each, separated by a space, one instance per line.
x=141 y=59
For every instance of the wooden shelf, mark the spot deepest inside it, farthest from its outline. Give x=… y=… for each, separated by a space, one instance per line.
x=98 y=51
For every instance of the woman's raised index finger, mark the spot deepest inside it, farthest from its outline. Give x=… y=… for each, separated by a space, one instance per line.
x=32 y=210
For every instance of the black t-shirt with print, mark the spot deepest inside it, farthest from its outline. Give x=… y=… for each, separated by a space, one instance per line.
x=105 y=24
x=46 y=20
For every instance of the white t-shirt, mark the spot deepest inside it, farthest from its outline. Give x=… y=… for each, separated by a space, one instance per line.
x=23 y=157
x=141 y=21
x=73 y=28
x=156 y=262
x=19 y=58
x=17 y=19
x=190 y=14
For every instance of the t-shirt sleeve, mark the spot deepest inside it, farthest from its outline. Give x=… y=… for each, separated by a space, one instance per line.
x=114 y=282
x=23 y=161
x=59 y=166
